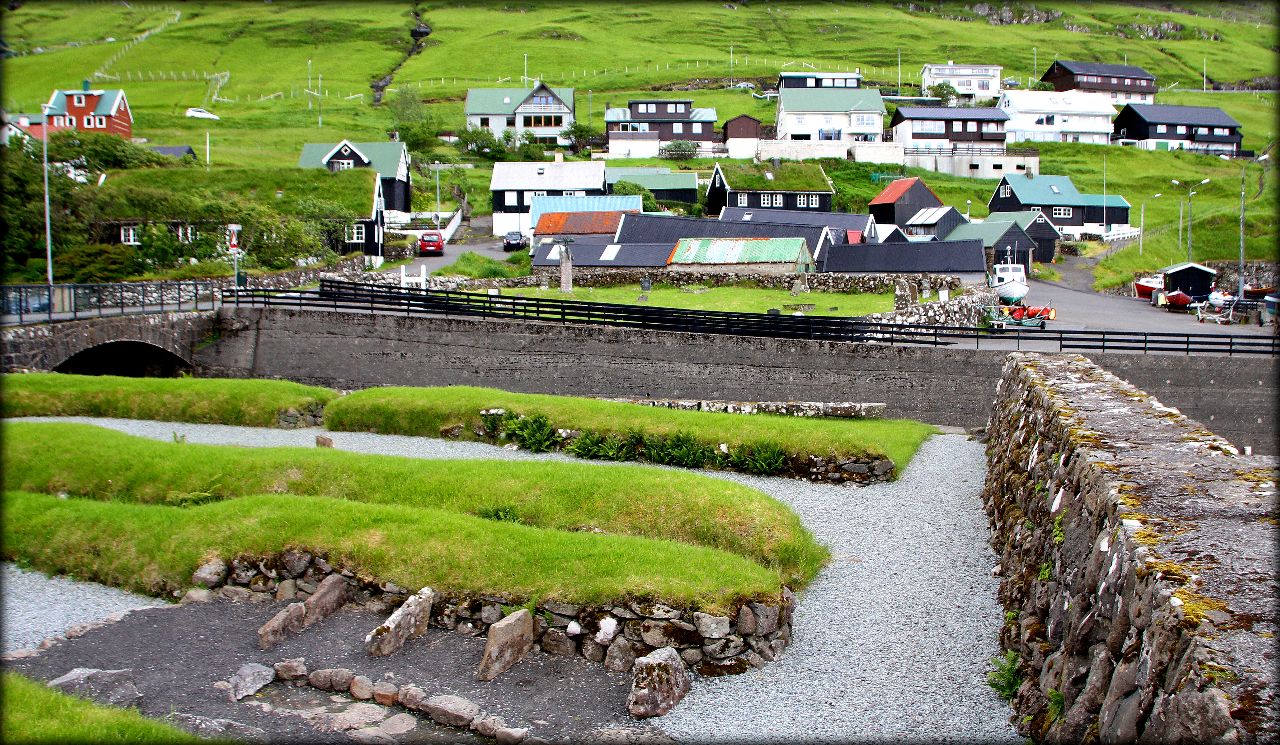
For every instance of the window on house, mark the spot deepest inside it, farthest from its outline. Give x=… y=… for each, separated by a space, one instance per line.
x=71 y=121
x=343 y=165
x=802 y=200
x=973 y=166
x=966 y=83
x=1062 y=212
x=102 y=122
x=1128 y=81
x=829 y=134
x=129 y=235
x=826 y=82
x=696 y=128
x=1162 y=128
x=575 y=193
x=1202 y=130
x=186 y=233
x=1005 y=190
x=742 y=200
x=1222 y=131
x=1114 y=96
x=511 y=122
x=1182 y=129
x=512 y=199
x=88 y=122
x=484 y=121
x=543 y=100
x=864 y=120
x=355 y=233
x=971 y=127
x=1114 y=81
x=809 y=82
x=677 y=128
x=925 y=126
x=543 y=120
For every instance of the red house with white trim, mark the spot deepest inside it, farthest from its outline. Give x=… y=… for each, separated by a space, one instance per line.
x=86 y=109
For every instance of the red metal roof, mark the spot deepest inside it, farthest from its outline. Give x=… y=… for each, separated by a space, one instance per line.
x=579 y=223
x=853 y=236
x=894 y=191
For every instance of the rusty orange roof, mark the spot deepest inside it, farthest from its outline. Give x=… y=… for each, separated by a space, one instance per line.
x=894 y=191
x=579 y=223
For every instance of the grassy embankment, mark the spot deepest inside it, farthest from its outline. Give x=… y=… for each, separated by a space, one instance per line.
x=204 y=400
x=30 y=712
x=738 y=299
x=424 y=411
x=144 y=513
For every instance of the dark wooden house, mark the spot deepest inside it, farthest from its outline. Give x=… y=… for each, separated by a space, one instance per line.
x=934 y=221
x=1074 y=214
x=1206 y=129
x=1038 y=228
x=901 y=200
x=936 y=127
x=779 y=185
x=1123 y=83
x=1001 y=240
x=1194 y=279
x=671 y=118
x=389 y=159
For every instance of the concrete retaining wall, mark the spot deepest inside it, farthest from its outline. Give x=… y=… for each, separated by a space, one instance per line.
x=1138 y=562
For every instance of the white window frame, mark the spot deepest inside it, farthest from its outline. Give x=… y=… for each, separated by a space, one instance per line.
x=355 y=233
x=742 y=199
x=186 y=233
x=928 y=126
x=71 y=121
x=102 y=122
x=575 y=193
x=677 y=128
x=1162 y=128
x=671 y=108
x=696 y=128
x=130 y=235
x=1182 y=129
x=343 y=165
x=1005 y=190
x=88 y=122
x=971 y=126
x=512 y=199
x=1062 y=212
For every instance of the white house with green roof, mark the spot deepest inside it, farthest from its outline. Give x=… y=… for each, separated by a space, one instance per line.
x=390 y=159
x=542 y=110
x=844 y=115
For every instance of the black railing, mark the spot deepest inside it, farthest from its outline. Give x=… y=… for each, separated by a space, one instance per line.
x=23 y=304
x=350 y=296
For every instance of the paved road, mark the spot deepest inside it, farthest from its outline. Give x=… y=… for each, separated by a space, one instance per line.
x=474 y=238
x=1091 y=311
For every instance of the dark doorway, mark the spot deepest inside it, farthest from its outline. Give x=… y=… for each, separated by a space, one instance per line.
x=131 y=359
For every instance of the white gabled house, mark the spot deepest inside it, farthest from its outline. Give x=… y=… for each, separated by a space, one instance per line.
x=1058 y=116
x=514 y=186
x=972 y=82
x=844 y=115
x=542 y=110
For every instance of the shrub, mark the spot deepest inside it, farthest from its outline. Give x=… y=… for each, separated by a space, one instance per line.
x=587 y=445
x=679 y=449
x=1006 y=678
x=760 y=458
x=533 y=433
x=680 y=150
x=504 y=513
x=1056 y=704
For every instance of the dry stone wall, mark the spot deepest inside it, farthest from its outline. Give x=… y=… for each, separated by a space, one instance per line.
x=613 y=634
x=1138 y=557
x=966 y=310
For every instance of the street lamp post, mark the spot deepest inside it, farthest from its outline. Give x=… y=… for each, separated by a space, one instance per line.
x=967 y=203
x=48 y=227
x=1190 y=193
x=437 y=170
x=1142 y=224
x=1240 y=276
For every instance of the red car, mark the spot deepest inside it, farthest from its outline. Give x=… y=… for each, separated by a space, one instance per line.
x=431 y=243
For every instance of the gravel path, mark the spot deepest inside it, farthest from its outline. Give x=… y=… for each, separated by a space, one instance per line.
x=892 y=640
x=37 y=606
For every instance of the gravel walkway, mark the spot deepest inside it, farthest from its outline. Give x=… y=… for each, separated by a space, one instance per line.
x=37 y=607
x=891 y=641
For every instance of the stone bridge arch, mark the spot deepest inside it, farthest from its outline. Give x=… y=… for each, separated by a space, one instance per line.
x=51 y=346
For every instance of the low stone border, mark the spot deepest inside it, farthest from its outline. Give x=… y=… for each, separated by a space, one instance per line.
x=613 y=635
x=839 y=410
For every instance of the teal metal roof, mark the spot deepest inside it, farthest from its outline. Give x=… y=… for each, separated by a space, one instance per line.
x=595 y=203
x=740 y=251
x=1021 y=219
x=988 y=232
x=106 y=102
x=832 y=99
x=1097 y=200
x=384 y=157
x=503 y=101
x=1045 y=190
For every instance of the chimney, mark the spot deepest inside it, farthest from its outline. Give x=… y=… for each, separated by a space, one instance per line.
x=559 y=156
x=85 y=83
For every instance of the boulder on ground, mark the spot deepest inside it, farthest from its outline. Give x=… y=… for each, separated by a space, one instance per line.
x=291 y=620
x=250 y=679
x=658 y=683
x=291 y=669
x=211 y=573
x=620 y=656
x=329 y=596
x=509 y=640
x=409 y=620
x=112 y=687
x=454 y=711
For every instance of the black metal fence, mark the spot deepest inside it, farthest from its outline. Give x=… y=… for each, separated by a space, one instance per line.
x=64 y=302
x=350 y=296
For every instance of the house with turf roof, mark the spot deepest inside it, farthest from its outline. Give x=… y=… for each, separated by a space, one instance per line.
x=1038 y=228
x=1074 y=214
x=1002 y=240
x=390 y=159
x=778 y=184
x=666 y=185
x=742 y=256
x=542 y=110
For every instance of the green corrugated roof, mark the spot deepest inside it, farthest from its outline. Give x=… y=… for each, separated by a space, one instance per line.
x=384 y=157
x=740 y=251
x=988 y=232
x=788 y=176
x=1023 y=219
x=490 y=100
x=652 y=181
x=1096 y=200
x=832 y=99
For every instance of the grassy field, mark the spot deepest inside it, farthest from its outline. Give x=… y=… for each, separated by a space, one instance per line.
x=30 y=712
x=412 y=521
x=477 y=266
x=734 y=299
x=207 y=400
x=424 y=411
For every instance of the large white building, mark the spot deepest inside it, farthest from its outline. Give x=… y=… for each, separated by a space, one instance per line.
x=542 y=110
x=1058 y=116
x=844 y=115
x=972 y=82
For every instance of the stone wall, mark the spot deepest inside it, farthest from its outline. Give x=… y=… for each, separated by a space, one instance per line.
x=966 y=310
x=1256 y=274
x=45 y=346
x=1138 y=557
x=614 y=634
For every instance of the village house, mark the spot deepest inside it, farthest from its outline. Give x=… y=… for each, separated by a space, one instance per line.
x=645 y=127
x=946 y=128
x=390 y=159
x=1038 y=229
x=742 y=136
x=581 y=207
x=742 y=256
x=779 y=184
x=1121 y=83
x=515 y=185
x=933 y=223
x=845 y=227
x=962 y=257
x=1074 y=214
x=1058 y=116
x=644 y=228
x=900 y=201
x=1205 y=129
x=542 y=110
x=665 y=184
x=1002 y=240
x=834 y=115
x=86 y=109
x=605 y=254
x=972 y=82
x=802 y=79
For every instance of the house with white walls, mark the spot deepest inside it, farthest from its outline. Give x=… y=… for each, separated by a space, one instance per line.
x=972 y=82
x=542 y=110
x=1058 y=116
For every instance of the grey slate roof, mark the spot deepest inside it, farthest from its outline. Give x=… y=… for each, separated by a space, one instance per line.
x=837 y=221
x=1196 y=116
x=627 y=254
x=931 y=256
x=643 y=228
x=982 y=113
x=1103 y=68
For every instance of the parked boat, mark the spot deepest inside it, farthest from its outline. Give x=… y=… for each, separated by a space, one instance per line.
x=1009 y=280
x=1177 y=299
x=1257 y=293
x=1144 y=286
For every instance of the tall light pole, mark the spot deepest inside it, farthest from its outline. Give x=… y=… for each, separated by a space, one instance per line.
x=437 y=170
x=48 y=228
x=1142 y=225
x=1240 y=276
x=1190 y=193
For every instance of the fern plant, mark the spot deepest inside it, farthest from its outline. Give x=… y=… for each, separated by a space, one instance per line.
x=1006 y=679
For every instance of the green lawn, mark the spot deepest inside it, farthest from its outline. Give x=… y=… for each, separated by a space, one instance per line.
x=144 y=512
x=31 y=712
x=477 y=266
x=424 y=411
x=207 y=400
x=734 y=299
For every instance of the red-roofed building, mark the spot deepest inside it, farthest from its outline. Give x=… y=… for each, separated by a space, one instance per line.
x=901 y=200
x=579 y=223
x=86 y=110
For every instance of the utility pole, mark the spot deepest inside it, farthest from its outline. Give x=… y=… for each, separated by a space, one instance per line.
x=730 y=64
x=899 y=71
x=206 y=148
x=1240 y=276
x=48 y=228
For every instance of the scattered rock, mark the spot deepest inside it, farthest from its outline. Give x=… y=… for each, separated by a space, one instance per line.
x=227 y=729
x=385 y=693
x=287 y=590
x=556 y=642
x=608 y=630
x=210 y=574
x=655 y=610
x=352 y=717
x=511 y=735
x=112 y=687
x=291 y=669
x=361 y=688
x=399 y=724
x=593 y=650
x=620 y=656
x=509 y=640
x=323 y=441
x=409 y=620
x=561 y=609
x=658 y=683
x=766 y=617
x=662 y=633
x=290 y=620
x=336 y=679
x=488 y=726
x=746 y=620
x=250 y=679
x=294 y=563
x=233 y=593
x=711 y=627
x=454 y=711
x=329 y=596
x=243 y=570
x=412 y=697
x=491 y=613
x=197 y=595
